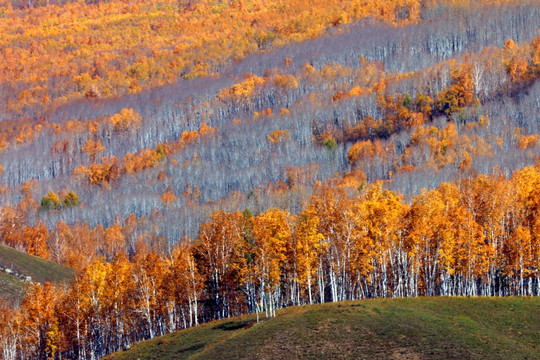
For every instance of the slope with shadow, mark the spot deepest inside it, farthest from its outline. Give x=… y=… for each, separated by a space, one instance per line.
x=20 y=265
x=414 y=328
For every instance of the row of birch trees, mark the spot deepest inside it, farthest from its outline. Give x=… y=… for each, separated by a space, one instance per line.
x=478 y=236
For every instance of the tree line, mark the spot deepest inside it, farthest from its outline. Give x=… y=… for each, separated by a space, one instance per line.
x=473 y=237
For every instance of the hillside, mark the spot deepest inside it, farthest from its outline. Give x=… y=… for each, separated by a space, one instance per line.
x=420 y=328
x=13 y=288
x=195 y=160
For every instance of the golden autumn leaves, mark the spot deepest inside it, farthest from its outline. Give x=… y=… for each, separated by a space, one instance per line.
x=115 y=48
x=109 y=168
x=476 y=236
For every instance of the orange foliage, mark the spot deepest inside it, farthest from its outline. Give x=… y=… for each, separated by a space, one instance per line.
x=123 y=47
x=278 y=136
x=168 y=198
x=126 y=120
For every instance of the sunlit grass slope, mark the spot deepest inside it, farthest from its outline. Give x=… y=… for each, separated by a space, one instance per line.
x=13 y=288
x=420 y=328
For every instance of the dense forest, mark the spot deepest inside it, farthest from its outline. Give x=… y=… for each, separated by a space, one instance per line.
x=195 y=160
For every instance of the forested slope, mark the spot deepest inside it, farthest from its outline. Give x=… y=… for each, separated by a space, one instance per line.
x=344 y=85
x=196 y=160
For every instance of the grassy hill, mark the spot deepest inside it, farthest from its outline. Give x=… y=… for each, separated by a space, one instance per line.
x=434 y=328
x=40 y=270
x=12 y=289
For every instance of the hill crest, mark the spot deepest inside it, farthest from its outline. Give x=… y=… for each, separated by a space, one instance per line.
x=408 y=328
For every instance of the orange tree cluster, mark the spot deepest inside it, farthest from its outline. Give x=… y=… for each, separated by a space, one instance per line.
x=53 y=54
x=477 y=237
x=109 y=169
x=521 y=65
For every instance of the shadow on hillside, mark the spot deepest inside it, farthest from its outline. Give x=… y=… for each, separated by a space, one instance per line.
x=191 y=349
x=231 y=326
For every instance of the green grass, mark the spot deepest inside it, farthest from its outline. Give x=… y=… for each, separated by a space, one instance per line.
x=13 y=289
x=39 y=269
x=420 y=328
